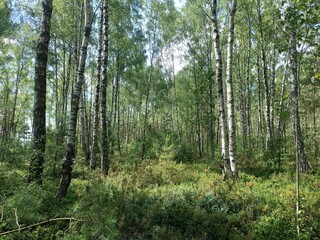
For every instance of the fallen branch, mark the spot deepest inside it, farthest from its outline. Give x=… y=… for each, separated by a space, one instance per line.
x=20 y=229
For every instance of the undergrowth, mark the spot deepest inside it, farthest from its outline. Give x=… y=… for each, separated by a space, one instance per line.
x=161 y=199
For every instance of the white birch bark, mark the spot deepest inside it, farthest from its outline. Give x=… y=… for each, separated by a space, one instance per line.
x=230 y=98
x=221 y=107
x=269 y=129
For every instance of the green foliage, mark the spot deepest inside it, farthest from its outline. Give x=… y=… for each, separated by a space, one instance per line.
x=94 y=211
x=274 y=225
x=164 y=145
x=163 y=199
x=5 y=23
x=31 y=202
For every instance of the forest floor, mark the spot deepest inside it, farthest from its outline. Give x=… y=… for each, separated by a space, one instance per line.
x=159 y=199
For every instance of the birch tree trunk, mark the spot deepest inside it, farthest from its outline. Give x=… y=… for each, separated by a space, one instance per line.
x=230 y=98
x=72 y=126
x=269 y=129
x=221 y=107
x=39 y=109
x=96 y=117
x=302 y=163
x=118 y=115
x=280 y=110
x=84 y=130
x=104 y=132
x=146 y=111
x=19 y=76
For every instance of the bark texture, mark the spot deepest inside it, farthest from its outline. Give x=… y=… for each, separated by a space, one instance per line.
x=269 y=129
x=230 y=98
x=72 y=126
x=39 y=109
x=96 y=116
x=104 y=132
x=221 y=107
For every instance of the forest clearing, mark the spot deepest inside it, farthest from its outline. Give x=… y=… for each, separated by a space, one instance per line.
x=159 y=119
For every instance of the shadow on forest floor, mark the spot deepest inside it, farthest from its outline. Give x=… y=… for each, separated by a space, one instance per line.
x=261 y=171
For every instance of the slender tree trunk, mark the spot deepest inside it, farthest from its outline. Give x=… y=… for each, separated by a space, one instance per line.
x=272 y=89
x=259 y=130
x=269 y=130
x=104 y=132
x=248 y=88
x=146 y=111
x=96 y=117
x=222 y=115
x=39 y=109
x=314 y=120
x=66 y=86
x=175 y=96
x=21 y=66
x=115 y=128
x=128 y=127
x=72 y=126
x=118 y=116
x=5 y=119
x=113 y=114
x=243 y=107
x=230 y=98
x=280 y=123
x=198 y=118
x=57 y=109
x=84 y=130
x=294 y=104
x=211 y=117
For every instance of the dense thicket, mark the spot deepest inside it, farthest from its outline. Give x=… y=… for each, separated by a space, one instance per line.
x=159 y=96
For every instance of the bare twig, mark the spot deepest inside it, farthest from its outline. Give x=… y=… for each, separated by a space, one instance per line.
x=205 y=12
x=20 y=229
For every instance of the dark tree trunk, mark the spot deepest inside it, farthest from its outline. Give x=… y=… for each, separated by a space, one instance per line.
x=39 y=109
x=104 y=132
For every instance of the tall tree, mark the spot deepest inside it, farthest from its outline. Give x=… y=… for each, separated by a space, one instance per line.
x=96 y=117
x=220 y=92
x=104 y=131
x=302 y=163
x=269 y=129
x=72 y=126
x=230 y=97
x=39 y=109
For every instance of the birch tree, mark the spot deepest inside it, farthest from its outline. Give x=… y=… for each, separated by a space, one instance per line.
x=70 y=151
x=104 y=131
x=269 y=129
x=39 y=108
x=220 y=92
x=96 y=117
x=230 y=98
x=302 y=164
